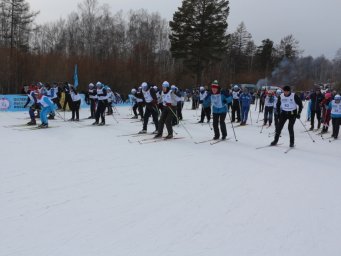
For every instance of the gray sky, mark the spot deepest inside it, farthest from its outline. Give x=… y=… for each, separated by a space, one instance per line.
x=314 y=23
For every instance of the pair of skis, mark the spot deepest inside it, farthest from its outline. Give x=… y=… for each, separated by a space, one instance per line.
x=211 y=141
x=155 y=140
x=269 y=146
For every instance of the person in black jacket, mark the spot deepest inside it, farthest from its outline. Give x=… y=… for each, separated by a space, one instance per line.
x=316 y=99
x=67 y=99
x=290 y=106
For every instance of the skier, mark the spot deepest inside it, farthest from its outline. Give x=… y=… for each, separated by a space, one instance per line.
x=177 y=98
x=149 y=96
x=67 y=96
x=110 y=99
x=316 y=99
x=262 y=100
x=270 y=103
x=276 y=113
x=245 y=100
x=290 y=107
x=76 y=103
x=134 y=103
x=140 y=102
x=181 y=102
x=52 y=94
x=102 y=103
x=32 y=104
x=235 y=104
x=205 y=105
x=219 y=106
x=326 y=111
x=335 y=107
x=159 y=98
x=47 y=107
x=92 y=100
x=168 y=112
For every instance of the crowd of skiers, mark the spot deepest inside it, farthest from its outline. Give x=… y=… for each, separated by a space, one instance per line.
x=165 y=106
x=325 y=107
x=46 y=100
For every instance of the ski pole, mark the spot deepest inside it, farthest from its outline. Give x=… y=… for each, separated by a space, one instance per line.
x=258 y=117
x=307 y=130
x=209 y=124
x=250 y=116
x=61 y=116
x=261 y=131
x=113 y=115
x=180 y=122
x=232 y=126
x=115 y=109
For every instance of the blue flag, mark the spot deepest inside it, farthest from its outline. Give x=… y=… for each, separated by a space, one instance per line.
x=75 y=77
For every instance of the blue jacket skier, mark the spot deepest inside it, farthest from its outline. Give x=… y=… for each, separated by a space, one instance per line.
x=245 y=100
x=219 y=103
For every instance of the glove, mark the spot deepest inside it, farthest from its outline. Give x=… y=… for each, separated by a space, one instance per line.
x=169 y=104
x=298 y=116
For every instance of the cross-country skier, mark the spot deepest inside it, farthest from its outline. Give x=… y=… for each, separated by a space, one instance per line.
x=236 y=104
x=270 y=103
x=92 y=100
x=245 y=100
x=219 y=106
x=276 y=113
x=47 y=106
x=327 y=111
x=76 y=103
x=110 y=98
x=32 y=104
x=150 y=99
x=315 y=107
x=102 y=103
x=262 y=100
x=290 y=107
x=168 y=111
x=205 y=105
x=52 y=94
x=335 y=107
x=134 y=104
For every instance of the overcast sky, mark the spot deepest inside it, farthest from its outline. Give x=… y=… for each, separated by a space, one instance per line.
x=315 y=23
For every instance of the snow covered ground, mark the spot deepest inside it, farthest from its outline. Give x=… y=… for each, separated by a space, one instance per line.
x=78 y=190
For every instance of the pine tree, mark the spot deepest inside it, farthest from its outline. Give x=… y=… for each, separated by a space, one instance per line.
x=198 y=33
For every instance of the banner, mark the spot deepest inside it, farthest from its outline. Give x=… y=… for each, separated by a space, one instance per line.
x=14 y=103
x=75 y=77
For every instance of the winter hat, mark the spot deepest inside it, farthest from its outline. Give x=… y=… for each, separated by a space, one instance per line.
x=133 y=91
x=215 y=84
x=144 y=86
x=155 y=87
x=287 y=88
x=328 y=95
x=279 y=91
x=165 y=84
x=202 y=88
x=91 y=85
x=174 y=88
x=99 y=84
x=43 y=91
x=337 y=97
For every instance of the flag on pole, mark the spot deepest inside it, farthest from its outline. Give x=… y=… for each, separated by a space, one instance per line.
x=75 y=77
